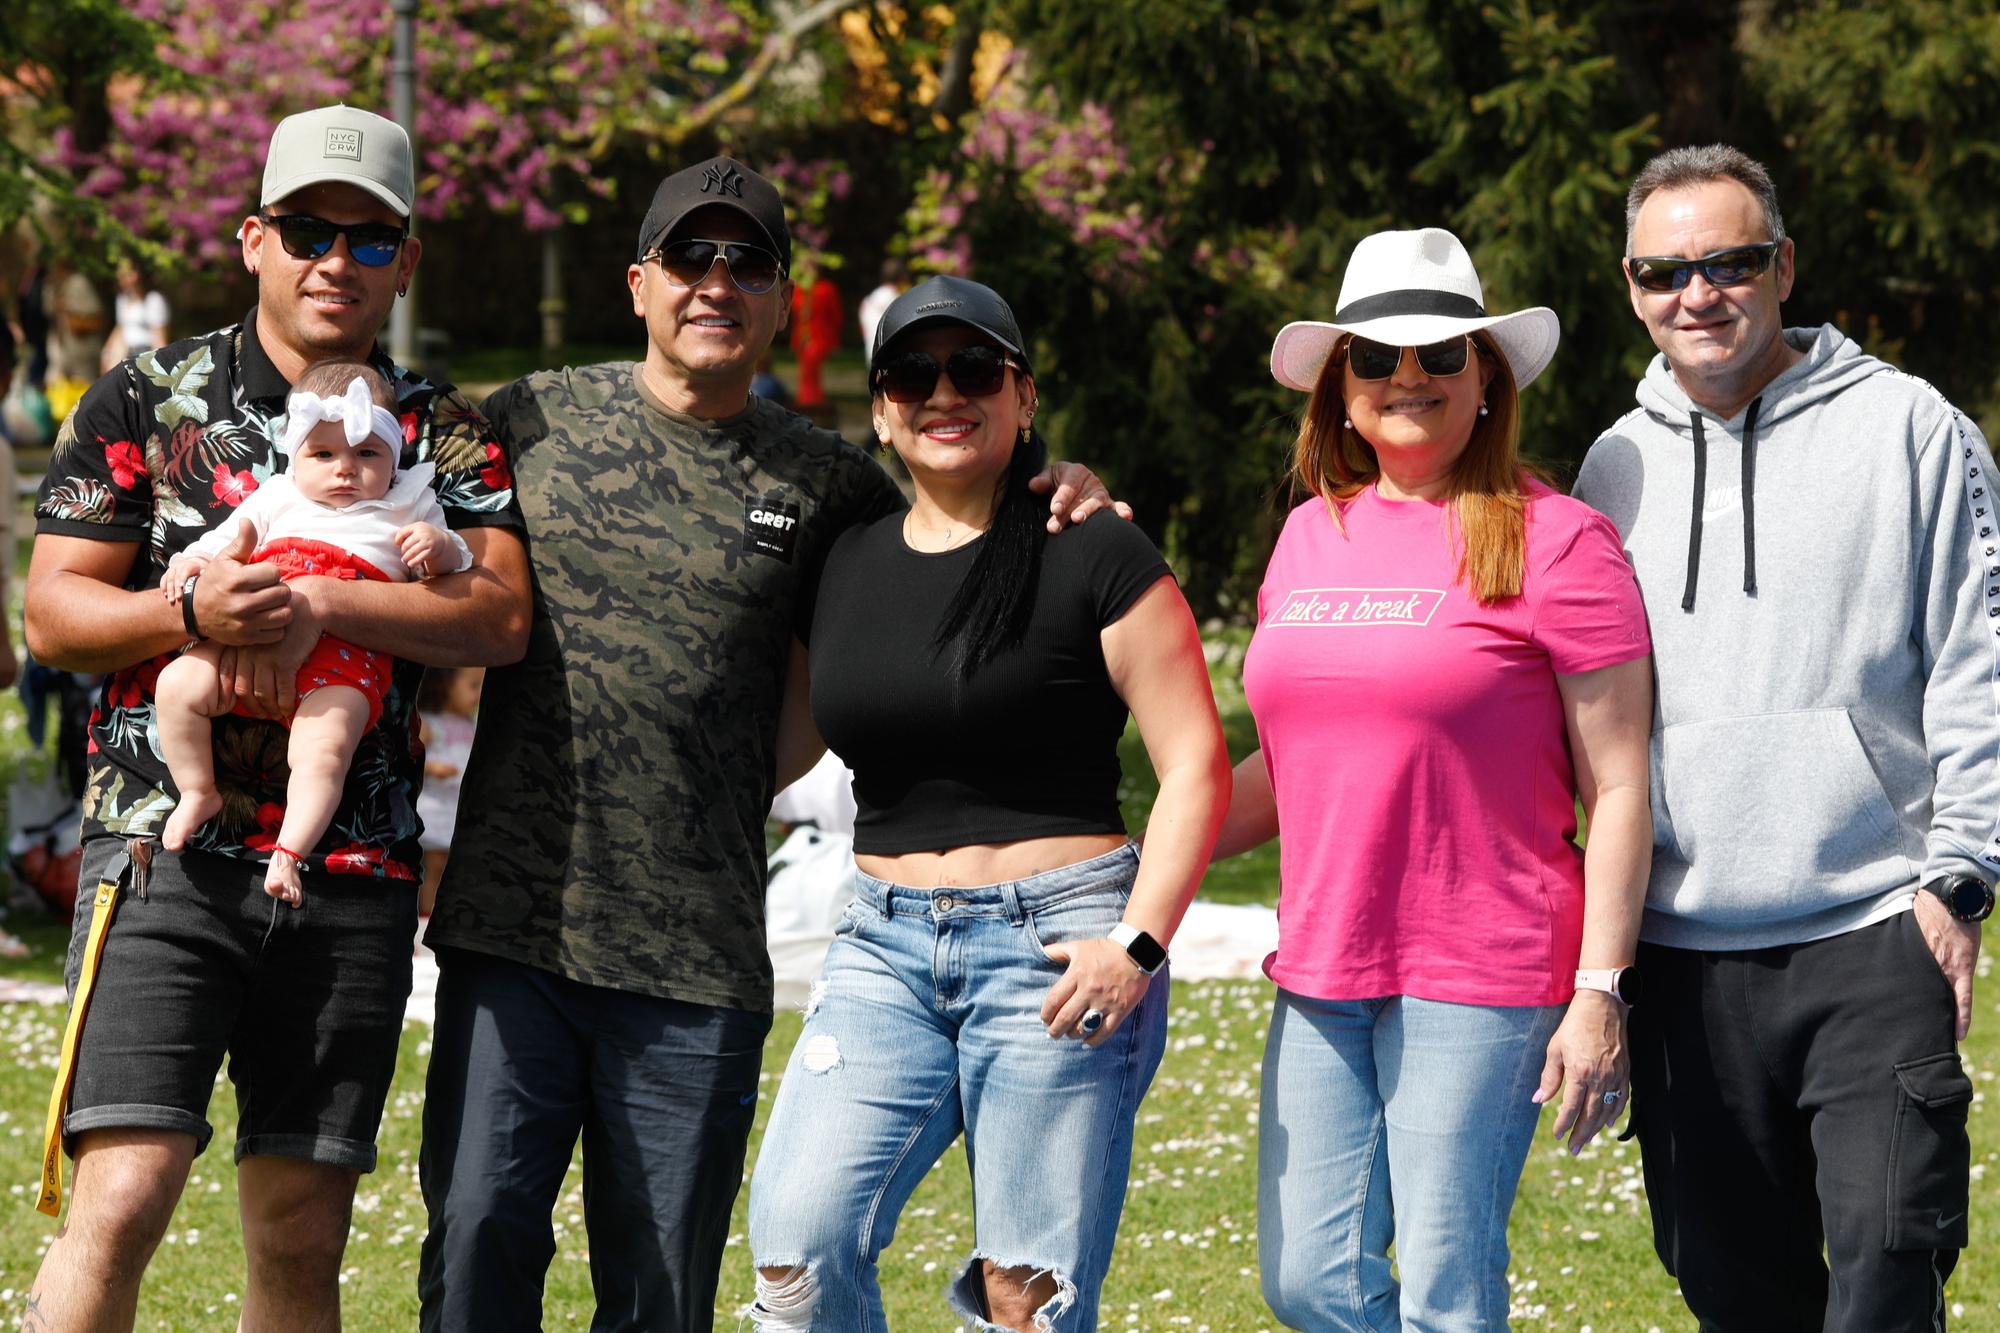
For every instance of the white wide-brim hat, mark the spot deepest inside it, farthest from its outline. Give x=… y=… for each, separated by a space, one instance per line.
x=1407 y=289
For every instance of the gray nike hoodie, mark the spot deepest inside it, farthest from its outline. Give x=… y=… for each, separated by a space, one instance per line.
x=1822 y=577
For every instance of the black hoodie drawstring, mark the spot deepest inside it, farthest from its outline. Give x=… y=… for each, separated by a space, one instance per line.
x=1694 y=524
x=1701 y=497
x=1750 y=497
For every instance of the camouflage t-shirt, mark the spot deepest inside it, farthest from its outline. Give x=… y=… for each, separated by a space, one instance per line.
x=159 y=451
x=611 y=818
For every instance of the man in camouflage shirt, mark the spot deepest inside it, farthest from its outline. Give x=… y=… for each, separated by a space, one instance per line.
x=600 y=927
x=196 y=960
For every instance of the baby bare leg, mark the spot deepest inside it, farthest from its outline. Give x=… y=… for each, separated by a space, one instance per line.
x=327 y=727
x=189 y=693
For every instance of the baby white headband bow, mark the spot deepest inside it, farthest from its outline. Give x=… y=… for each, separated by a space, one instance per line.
x=358 y=414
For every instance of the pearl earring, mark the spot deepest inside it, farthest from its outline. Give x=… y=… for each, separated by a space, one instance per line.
x=1482 y=409
x=1347 y=422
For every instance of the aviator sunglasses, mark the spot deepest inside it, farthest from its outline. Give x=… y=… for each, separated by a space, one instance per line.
x=686 y=263
x=1718 y=268
x=304 y=236
x=977 y=372
x=1370 y=360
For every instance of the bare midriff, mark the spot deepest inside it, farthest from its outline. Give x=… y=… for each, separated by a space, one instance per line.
x=988 y=863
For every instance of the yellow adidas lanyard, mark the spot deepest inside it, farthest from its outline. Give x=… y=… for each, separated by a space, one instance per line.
x=50 y=1201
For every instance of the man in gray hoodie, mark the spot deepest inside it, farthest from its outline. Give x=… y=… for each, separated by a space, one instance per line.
x=1826 y=758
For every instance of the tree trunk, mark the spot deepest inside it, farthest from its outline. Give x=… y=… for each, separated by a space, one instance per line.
x=553 y=307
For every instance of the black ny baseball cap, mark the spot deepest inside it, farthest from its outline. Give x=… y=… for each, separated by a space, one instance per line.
x=722 y=182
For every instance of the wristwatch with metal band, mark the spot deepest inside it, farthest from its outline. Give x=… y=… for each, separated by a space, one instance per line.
x=1621 y=983
x=1144 y=951
x=1967 y=897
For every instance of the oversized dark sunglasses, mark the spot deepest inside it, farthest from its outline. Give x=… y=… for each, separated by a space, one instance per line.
x=1370 y=360
x=976 y=372
x=752 y=268
x=1718 y=268
x=304 y=236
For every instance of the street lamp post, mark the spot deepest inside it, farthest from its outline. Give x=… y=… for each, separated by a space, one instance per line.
x=403 y=104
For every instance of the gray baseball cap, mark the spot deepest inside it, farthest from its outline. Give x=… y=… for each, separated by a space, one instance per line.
x=345 y=144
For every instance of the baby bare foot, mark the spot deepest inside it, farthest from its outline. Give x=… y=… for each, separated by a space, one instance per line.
x=281 y=878
x=196 y=808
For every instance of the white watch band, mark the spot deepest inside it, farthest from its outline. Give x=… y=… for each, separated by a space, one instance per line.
x=1599 y=978
x=1122 y=935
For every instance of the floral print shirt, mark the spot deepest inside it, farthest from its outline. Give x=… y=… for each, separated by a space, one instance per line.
x=164 y=448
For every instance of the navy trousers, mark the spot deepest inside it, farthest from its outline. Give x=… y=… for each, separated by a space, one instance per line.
x=663 y=1093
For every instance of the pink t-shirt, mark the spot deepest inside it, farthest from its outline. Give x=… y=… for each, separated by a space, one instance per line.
x=1416 y=744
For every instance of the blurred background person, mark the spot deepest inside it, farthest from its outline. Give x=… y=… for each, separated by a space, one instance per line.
x=816 y=321
x=139 y=317
x=447 y=704
x=78 y=325
x=895 y=277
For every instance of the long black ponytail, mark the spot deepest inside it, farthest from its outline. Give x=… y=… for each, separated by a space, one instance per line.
x=990 y=611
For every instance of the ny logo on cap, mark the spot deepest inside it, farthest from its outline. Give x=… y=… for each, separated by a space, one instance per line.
x=722 y=179
x=343 y=143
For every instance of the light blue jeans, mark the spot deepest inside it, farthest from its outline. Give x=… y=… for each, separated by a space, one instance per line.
x=927 y=1024
x=1394 y=1119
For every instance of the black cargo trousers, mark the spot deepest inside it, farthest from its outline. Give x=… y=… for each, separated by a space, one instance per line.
x=1799 y=1097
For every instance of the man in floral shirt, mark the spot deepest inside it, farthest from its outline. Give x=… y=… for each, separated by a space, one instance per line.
x=179 y=959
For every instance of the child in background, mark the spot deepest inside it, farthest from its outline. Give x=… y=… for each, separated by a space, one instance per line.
x=447 y=701
x=341 y=510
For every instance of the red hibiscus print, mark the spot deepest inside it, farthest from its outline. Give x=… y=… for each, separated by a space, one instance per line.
x=126 y=462
x=355 y=859
x=496 y=474
x=409 y=428
x=270 y=818
x=233 y=487
x=124 y=691
x=149 y=673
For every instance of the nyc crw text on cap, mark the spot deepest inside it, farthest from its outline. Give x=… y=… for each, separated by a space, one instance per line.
x=948 y=300
x=340 y=144
x=1410 y=289
x=724 y=182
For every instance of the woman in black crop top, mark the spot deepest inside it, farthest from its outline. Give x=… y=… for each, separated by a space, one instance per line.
x=995 y=973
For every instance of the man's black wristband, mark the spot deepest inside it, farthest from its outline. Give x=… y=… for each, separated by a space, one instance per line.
x=187 y=608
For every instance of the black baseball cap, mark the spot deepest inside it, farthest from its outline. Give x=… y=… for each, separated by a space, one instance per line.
x=723 y=182
x=948 y=300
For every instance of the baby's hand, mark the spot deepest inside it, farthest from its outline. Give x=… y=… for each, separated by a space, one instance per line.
x=425 y=548
x=177 y=573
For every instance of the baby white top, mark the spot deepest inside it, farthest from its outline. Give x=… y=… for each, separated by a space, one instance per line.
x=366 y=528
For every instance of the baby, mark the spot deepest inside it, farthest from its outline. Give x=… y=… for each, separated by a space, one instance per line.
x=342 y=510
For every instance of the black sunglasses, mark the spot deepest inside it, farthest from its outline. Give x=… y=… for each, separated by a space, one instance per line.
x=304 y=236
x=752 y=268
x=1718 y=268
x=1370 y=360
x=911 y=377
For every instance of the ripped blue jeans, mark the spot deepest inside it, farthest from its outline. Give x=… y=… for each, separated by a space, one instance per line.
x=927 y=1024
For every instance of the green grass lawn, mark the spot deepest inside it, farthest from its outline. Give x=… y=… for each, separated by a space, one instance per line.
x=1186 y=1253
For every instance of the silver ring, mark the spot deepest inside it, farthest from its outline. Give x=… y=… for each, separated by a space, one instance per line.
x=1611 y=1098
x=1091 y=1021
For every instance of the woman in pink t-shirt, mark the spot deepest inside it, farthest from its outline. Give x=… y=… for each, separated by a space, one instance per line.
x=1448 y=656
